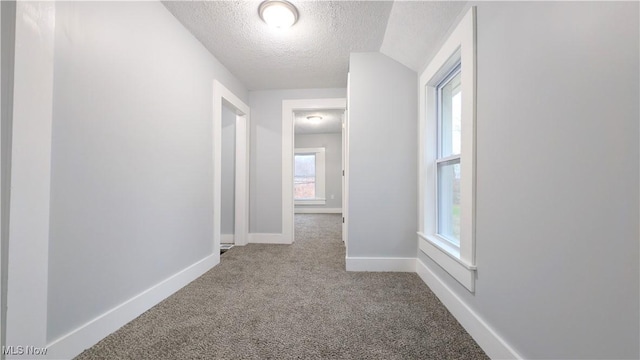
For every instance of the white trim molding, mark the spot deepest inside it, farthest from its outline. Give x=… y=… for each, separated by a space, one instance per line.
x=242 y=164
x=288 y=109
x=345 y=170
x=223 y=96
x=306 y=202
x=256 y=238
x=85 y=336
x=380 y=264
x=30 y=171
x=227 y=239
x=488 y=339
x=312 y=210
x=459 y=48
x=464 y=273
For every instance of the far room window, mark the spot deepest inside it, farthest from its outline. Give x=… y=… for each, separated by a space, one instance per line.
x=305 y=176
x=309 y=177
x=447 y=155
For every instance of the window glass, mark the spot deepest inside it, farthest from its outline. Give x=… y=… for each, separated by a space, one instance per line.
x=449 y=200
x=304 y=181
x=448 y=162
x=450 y=122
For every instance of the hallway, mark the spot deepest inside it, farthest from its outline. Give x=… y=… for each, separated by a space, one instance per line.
x=286 y=301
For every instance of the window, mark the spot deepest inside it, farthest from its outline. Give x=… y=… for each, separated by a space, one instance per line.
x=447 y=160
x=308 y=176
x=304 y=180
x=449 y=110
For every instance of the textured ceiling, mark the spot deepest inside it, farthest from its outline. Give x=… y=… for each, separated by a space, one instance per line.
x=331 y=122
x=416 y=28
x=314 y=53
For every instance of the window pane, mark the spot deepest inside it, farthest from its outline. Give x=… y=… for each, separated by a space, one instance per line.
x=450 y=122
x=449 y=200
x=304 y=180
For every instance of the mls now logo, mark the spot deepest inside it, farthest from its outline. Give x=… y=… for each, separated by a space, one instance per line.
x=24 y=350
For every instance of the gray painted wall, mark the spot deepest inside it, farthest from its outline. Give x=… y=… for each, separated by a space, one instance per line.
x=265 y=195
x=557 y=186
x=131 y=192
x=382 y=157
x=228 y=170
x=333 y=165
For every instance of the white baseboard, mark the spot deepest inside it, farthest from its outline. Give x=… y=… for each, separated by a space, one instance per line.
x=87 y=335
x=227 y=239
x=312 y=210
x=492 y=344
x=381 y=264
x=255 y=238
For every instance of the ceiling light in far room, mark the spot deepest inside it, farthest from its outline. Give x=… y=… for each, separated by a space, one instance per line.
x=279 y=14
x=314 y=119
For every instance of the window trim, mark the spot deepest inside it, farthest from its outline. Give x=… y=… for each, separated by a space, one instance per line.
x=320 y=175
x=460 y=47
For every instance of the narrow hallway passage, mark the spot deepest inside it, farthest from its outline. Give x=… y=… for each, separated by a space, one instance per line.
x=294 y=301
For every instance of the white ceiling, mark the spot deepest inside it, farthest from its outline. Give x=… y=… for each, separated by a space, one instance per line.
x=314 y=53
x=331 y=122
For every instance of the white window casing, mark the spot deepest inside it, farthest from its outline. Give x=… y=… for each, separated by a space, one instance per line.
x=460 y=47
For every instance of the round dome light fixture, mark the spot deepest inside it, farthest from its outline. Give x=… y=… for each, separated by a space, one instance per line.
x=279 y=14
x=314 y=118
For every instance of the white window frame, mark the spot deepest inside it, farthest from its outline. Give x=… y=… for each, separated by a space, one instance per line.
x=320 y=176
x=460 y=47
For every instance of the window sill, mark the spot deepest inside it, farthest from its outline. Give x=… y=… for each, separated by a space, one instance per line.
x=448 y=258
x=310 y=202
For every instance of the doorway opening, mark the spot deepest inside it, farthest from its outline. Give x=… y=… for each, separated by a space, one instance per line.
x=228 y=196
x=231 y=170
x=315 y=160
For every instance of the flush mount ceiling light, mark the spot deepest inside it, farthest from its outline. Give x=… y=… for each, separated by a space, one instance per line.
x=314 y=118
x=279 y=14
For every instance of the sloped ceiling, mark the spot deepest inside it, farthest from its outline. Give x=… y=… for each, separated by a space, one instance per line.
x=314 y=53
x=416 y=28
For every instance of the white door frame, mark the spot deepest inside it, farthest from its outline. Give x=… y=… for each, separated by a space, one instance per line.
x=30 y=171
x=223 y=96
x=288 y=109
x=345 y=166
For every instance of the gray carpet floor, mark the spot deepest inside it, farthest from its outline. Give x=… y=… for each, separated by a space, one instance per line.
x=294 y=302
